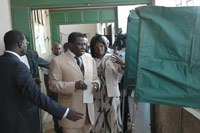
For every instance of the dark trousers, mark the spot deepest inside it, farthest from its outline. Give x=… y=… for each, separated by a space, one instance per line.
x=54 y=96
x=126 y=107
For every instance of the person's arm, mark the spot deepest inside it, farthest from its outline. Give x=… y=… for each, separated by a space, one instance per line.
x=43 y=63
x=28 y=88
x=46 y=79
x=120 y=63
x=96 y=83
x=40 y=61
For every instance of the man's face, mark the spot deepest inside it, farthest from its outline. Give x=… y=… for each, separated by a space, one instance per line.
x=87 y=44
x=79 y=46
x=56 y=49
x=23 y=46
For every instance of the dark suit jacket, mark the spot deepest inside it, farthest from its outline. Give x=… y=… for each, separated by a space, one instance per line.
x=17 y=87
x=34 y=61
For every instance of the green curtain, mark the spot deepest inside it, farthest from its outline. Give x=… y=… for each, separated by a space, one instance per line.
x=169 y=58
x=131 y=50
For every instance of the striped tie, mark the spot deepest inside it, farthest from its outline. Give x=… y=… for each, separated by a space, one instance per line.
x=80 y=64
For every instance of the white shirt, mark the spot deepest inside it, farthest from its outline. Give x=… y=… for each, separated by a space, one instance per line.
x=73 y=55
x=25 y=61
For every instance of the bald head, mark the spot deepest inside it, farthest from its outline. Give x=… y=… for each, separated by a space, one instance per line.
x=56 y=48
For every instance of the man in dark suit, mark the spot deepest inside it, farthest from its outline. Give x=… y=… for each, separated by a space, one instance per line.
x=33 y=61
x=17 y=87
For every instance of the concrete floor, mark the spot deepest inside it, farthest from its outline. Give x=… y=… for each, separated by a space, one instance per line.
x=49 y=128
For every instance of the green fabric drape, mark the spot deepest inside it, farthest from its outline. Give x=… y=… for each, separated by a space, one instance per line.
x=131 y=50
x=169 y=58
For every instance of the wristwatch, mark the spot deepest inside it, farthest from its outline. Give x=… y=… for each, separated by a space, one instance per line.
x=96 y=86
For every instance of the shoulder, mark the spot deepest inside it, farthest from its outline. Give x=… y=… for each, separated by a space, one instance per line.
x=59 y=58
x=21 y=67
x=107 y=56
x=32 y=55
x=31 y=52
x=50 y=57
x=88 y=56
x=9 y=59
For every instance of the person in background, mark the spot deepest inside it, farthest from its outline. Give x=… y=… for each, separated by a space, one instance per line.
x=87 y=50
x=18 y=87
x=56 y=50
x=65 y=47
x=71 y=74
x=121 y=53
x=33 y=61
x=107 y=101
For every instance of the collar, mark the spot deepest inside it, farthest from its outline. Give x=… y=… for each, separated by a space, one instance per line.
x=11 y=52
x=71 y=53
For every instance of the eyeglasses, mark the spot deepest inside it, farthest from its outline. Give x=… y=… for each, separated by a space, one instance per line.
x=27 y=43
x=24 y=42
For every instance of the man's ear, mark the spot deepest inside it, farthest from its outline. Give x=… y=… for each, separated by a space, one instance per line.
x=69 y=45
x=19 y=44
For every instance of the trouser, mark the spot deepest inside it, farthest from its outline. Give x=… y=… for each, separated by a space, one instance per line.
x=85 y=129
x=54 y=96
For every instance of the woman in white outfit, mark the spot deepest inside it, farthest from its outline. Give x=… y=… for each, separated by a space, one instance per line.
x=107 y=102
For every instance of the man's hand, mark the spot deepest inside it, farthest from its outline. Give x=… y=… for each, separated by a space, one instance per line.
x=95 y=87
x=37 y=81
x=74 y=116
x=80 y=85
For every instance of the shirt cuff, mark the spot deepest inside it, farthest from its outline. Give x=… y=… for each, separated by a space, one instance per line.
x=66 y=113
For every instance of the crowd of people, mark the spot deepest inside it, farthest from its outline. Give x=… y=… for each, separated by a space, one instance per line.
x=83 y=82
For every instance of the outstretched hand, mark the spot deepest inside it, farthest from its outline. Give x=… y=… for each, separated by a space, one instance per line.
x=117 y=59
x=74 y=115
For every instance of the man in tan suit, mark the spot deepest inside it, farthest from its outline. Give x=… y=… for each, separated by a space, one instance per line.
x=70 y=74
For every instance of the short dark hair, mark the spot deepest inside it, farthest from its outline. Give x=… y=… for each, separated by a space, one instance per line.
x=65 y=46
x=72 y=37
x=94 y=40
x=12 y=37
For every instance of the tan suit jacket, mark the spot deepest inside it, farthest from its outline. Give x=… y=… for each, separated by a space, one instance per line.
x=63 y=74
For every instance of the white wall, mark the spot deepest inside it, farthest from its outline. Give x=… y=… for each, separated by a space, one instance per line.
x=89 y=29
x=169 y=3
x=173 y=3
x=123 y=13
x=5 y=21
x=100 y=28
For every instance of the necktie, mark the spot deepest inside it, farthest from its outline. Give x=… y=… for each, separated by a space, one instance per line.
x=80 y=64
